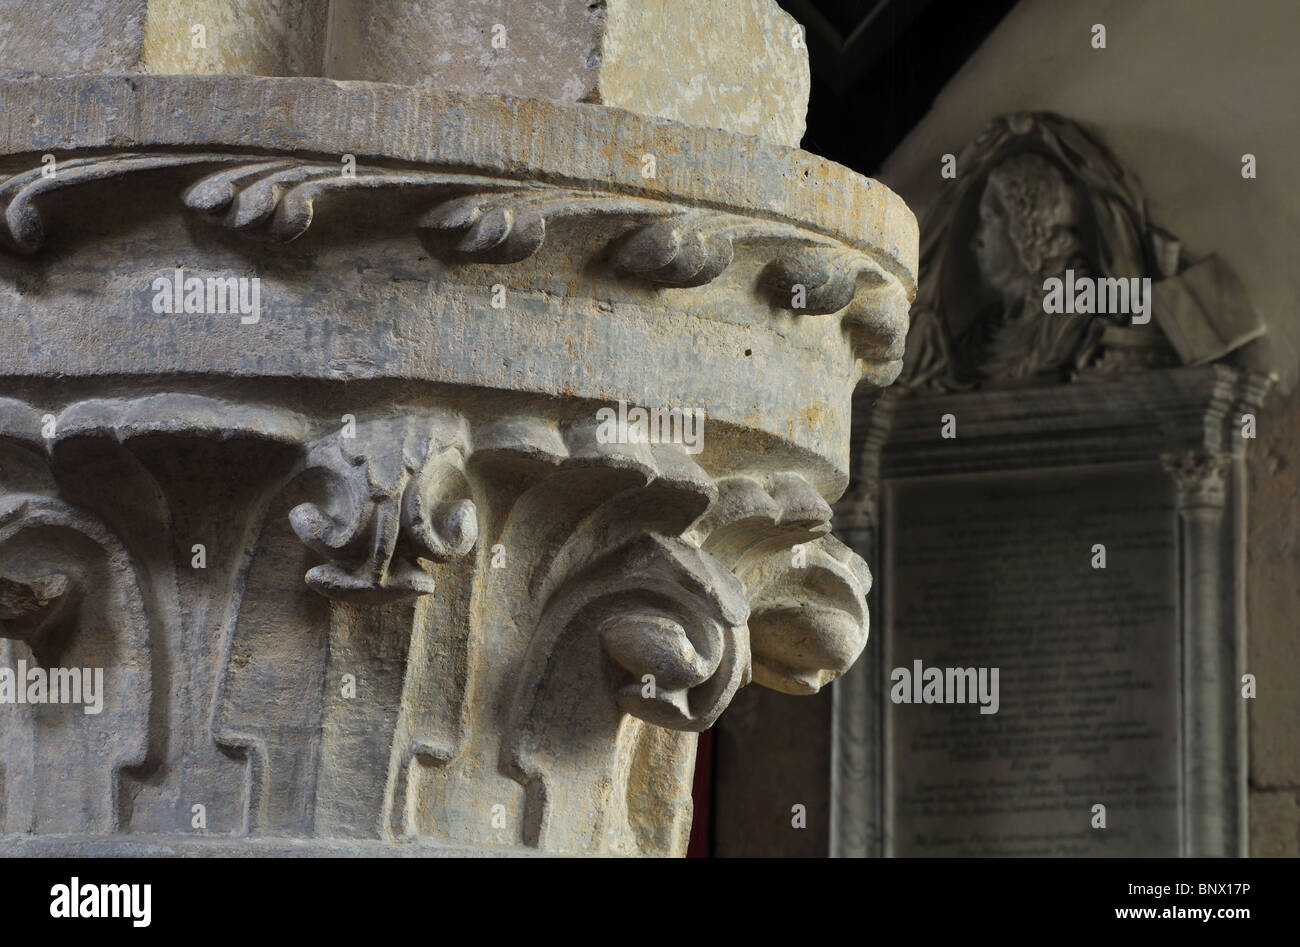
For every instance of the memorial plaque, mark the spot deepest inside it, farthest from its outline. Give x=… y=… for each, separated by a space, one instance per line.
x=998 y=571
x=1016 y=439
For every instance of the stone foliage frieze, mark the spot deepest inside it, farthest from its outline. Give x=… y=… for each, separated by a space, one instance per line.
x=596 y=596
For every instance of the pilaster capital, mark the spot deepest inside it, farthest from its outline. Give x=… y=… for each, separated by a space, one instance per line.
x=1201 y=477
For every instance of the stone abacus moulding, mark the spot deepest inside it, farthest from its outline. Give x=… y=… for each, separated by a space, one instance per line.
x=504 y=221
x=362 y=572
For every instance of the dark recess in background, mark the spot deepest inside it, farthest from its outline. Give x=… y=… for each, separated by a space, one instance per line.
x=877 y=65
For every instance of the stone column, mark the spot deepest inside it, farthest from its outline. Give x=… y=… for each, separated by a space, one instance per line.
x=321 y=428
x=1213 y=738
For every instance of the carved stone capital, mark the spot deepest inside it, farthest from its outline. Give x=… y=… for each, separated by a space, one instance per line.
x=497 y=584
x=1201 y=478
x=301 y=386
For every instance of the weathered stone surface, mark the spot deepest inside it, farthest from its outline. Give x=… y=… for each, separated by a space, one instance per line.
x=538 y=49
x=65 y=37
x=738 y=65
x=250 y=37
x=1273 y=561
x=305 y=442
x=761 y=194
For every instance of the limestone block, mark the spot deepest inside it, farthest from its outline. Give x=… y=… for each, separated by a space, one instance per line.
x=246 y=37
x=730 y=64
x=61 y=37
x=738 y=65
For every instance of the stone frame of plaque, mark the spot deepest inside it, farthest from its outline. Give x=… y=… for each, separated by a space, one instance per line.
x=1180 y=426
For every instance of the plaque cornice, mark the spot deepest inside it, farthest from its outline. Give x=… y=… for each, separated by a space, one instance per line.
x=1131 y=418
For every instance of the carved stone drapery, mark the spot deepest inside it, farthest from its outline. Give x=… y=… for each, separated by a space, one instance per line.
x=362 y=568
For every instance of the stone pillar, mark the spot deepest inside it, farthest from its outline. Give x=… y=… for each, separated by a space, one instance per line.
x=1213 y=750
x=321 y=428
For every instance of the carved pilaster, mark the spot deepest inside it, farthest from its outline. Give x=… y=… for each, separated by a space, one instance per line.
x=1212 y=660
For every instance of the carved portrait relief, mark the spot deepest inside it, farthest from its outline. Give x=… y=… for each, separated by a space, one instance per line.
x=1028 y=231
x=1035 y=198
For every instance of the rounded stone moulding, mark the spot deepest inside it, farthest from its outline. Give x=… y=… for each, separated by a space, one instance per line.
x=641 y=259
x=307 y=379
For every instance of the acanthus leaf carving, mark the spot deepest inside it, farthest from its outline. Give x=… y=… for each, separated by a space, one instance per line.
x=657 y=573
x=673 y=624
x=71 y=593
x=757 y=516
x=276 y=199
x=391 y=501
x=808 y=622
x=649 y=632
x=507 y=225
x=24 y=231
x=829 y=279
x=806 y=591
x=684 y=250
